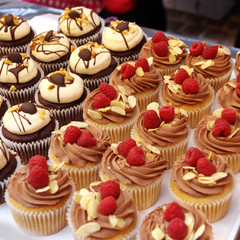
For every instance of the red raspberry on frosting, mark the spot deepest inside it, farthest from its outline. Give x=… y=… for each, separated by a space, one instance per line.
x=86 y=139
x=38 y=160
x=205 y=167
x=71 y=134
x=180 y=76
x=143 y=63
x=101 y=101
x=192 y=156
x=238 y=78
x=158 y=37
x=229 y=115
x=127 y=70
x=125 y=146
x=38 y=177
x=161 y=49
x=190 y=86
x=108 y=90
x=151 y=119
x=196 y=48
x=177 y=229
x=166 y=113
x=210 y=52
x=221 y=127
x=173 y=211
x=109 y=188
x=136 y=157
x=107 y=206
x=238 y=89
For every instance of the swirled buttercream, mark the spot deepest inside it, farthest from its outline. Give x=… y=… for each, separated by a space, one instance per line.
x=4 y=155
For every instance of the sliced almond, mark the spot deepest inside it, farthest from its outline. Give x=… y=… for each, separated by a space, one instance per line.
x=187 y=69
x=86 y=200
x=176 y=110
x=149 y=155
x=226 y=50
x=40 y=190
x=189 y=176
x=199 y=63
x=152 y=129
x=188 y=167
x=12 y=88
x=118 y=67
x=55 y=167
x=153 y=149
x=113 y=220
x=132 y=101
x=150 y=61
x=208 y=63
x=172 y=58
x=114 y=147
x=77 y=197
x=206 y=180
x=94 y=114
x=54 y=187
x=226 y=89
x=122 y=90
x=140 y=72
x=232 y=84
x=166 y=78
x=233 y=133
x=183 y=112
x=88 y=228
x=153 y=106
x=199 y=232
x=78 y=124
x=210 y=125
x=104 y=109
x=117 y=104
x=92 y=209
x=132 y=63
x=118 y=110
x=157 y=234
x=166 y=125
x=218 y=175
x=189 y=221
x=218 y=113
x=209 y=155
x=177 y=50
x=173 y=42
x=220 y=51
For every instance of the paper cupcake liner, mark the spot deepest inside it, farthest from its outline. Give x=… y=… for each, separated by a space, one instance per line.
x=22 y=95
x=118 y=131
x=81 y=177
x=29 y=149
x=6 y=50
x=171 y=69
x=133 y=57
x=130 y=236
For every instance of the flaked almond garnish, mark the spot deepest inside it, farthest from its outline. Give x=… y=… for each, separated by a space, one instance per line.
x=140 y=72
x=150 y=61
x=118 y=110
x=126 y=164
x=208 y=63
x=96 y=183
x=113 y=220
x=226 y=50
x=153 y=106
x=104 y=109
x=177 y=50
x=188 y=167
x=87 y=229
x=117 y=104
x=121 y=222
x=172 y=58
x=157 y=234
x=12 y=88
x=187 y=69
x=162 y=123
x=183 y=112
x=199 y=63
x=122 y=90
x=8 y=62
x=55 y=167
x=94 y=114
x=114 y=148
x=232 y=84
x=42 y=114
x=226 y=89
x=78 y=124
x=209 y=155
x=199 y=232
x=206 y=180
x=220 y=51
x=45 y=189
x=210 y=125
x=189 y=221
x=233 y=133
x=153 y=149
x=149 y=155
x=189 y=176
x=218 y=175
x=166 y=78
x=173 y=42
x=51 y=87
x=218 y=113
x=166 y=125
x=53 y=187
x=132 y=101
x=152 y=129
x=118 y=67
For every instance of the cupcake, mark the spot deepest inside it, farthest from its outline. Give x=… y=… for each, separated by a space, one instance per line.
x=124 y=40
x=51 y=50
x=187 y=90
x=102 y=211
x=79 y=147
x=203 y=181
x=137 y=169
x=219 y=133
x=9 y=163
x=63 y=94
x=93 y=63
x=213 y=62
x=175 y=221
x=38 y=196
x=15 y=34
x=140 y=79
x=163 y=129
x=27 y=130
x=168 y=53
x=111 y=109
x=237 y=64
x=81 y=25
x=4 y=105
x=19 y=77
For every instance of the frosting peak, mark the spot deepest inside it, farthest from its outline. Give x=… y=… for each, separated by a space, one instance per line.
x=4 y=155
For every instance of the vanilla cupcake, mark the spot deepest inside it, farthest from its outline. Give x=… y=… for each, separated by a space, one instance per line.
x=93 y=63
x=81 y=25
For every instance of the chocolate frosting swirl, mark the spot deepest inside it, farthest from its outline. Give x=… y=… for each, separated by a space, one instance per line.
x=114 y=166
x=219 y=145
x=156 y=217
x=78 y=156
x=125 y=210
x=195 y=188
x=20 y=190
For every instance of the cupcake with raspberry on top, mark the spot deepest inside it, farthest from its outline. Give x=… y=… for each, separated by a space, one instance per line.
x=186 y=89
x=168 y=53
x=213 y=62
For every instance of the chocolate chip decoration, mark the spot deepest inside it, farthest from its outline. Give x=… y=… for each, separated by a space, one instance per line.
x=15 y=57
x=74 y=14
x=48 y=36
x=85 y=54
x=28 y=107
x=123 y=26
x=58 y=79
x=9 y=20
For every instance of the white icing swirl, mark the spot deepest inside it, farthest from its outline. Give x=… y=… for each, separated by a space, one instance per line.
x=89 y=20
x=27 y=123
x=114 y=40
x=72 y=91
x=4 y=155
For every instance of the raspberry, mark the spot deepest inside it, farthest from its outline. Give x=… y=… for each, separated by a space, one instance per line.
x=210 y=52
x=107 y=206
x=127 y=70
x=72 y=134
x=196 y=48
x=143 y=63
x=238 y=89
x=101 y=101
x=181 y=75
x=158 y=37
x=136 y=157
x=173 y=211
x=151 y=120
x=192 y=156
x=221 y=127
x=86 y=139
x=38 y=160
x=161 y=49
x=229 y=115
x=238 y=78
x=190 y=86
x=38 y=177
x=205 y=167
x=177 y=229
x=108 y=90
x=166 y=113
x=109 y=188
x=125 y=146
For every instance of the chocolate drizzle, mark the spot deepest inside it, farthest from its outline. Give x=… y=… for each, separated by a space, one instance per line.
x=2 y=148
